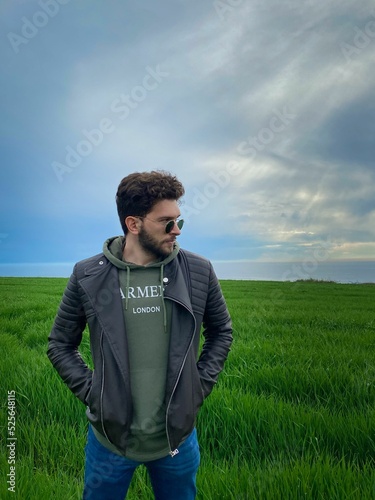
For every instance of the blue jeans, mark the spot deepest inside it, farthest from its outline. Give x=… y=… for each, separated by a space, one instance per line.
x=108 y=475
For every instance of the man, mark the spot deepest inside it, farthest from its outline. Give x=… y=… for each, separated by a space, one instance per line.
x=144 y=300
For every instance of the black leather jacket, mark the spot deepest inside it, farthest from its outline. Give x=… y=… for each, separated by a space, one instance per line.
x=92 y=297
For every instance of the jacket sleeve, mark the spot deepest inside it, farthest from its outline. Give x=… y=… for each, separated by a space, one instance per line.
x=217 y=331
x=65 y=338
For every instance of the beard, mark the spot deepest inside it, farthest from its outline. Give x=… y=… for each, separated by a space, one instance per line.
x=151 y=245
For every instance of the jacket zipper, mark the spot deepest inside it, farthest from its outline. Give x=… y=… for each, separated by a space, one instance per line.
x=175 y=452
x=102 y=387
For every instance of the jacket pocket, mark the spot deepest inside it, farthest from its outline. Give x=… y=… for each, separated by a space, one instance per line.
x=197 y=388
x=92 y=397
x=206 y=387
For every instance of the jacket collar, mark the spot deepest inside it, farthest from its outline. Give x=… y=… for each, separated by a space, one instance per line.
x=176 y=287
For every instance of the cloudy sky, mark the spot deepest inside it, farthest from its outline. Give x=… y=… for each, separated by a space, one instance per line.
x=264 y=110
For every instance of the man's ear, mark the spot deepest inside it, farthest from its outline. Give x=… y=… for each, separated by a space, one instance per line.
x=133 y=224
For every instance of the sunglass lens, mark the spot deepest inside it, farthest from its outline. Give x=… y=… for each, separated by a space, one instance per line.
x=171 y=223
x=169 y=226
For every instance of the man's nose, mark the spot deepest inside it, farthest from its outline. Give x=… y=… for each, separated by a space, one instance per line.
x=175 y=229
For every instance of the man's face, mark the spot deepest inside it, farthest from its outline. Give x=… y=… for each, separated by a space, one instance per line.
x=152 y=236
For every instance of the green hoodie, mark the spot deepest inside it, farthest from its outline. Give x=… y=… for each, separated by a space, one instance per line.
x=147 y=321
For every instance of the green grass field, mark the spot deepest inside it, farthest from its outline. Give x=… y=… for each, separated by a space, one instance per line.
x=292 y=416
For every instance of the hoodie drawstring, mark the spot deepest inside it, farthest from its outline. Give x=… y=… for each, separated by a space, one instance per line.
x=127 y=287
x=162 y=297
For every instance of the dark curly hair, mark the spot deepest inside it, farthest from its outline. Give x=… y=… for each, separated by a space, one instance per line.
x=139 y=192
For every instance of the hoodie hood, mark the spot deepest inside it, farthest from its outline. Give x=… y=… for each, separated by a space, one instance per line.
x=113 y=250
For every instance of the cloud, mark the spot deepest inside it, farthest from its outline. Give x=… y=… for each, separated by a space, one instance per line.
x=257 y=185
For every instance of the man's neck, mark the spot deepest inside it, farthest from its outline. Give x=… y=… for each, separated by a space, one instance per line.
x=134 y=254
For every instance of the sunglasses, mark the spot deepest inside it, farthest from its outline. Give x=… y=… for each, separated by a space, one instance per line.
x=169 y=225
